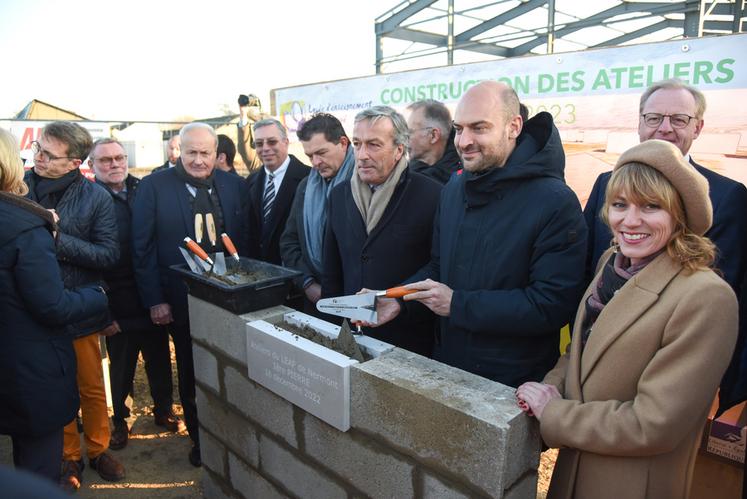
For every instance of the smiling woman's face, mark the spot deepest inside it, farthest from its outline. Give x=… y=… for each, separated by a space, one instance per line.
x=639 y=230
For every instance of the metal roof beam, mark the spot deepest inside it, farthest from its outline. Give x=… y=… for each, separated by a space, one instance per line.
x=392 y=22
x=517 y=11
x=416 y=36
x=653 y=9
x=666 y=23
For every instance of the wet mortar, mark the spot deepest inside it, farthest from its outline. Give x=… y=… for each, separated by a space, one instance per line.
x=331 y=343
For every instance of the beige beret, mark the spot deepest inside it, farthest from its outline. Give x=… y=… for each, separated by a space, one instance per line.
x=687 y=181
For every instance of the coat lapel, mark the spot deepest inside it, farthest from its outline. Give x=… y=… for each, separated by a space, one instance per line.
x=630 y=303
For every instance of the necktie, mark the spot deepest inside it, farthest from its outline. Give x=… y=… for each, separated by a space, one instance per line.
x=269 y=196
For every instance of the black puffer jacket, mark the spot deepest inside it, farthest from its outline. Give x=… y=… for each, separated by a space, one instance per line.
x=87 y=242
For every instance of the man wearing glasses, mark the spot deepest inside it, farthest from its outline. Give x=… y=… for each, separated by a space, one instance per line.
x=87 y=244
x=673 y=111
x=271 y=190
x=131 y=319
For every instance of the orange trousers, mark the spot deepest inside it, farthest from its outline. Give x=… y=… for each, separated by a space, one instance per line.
x=92 y=402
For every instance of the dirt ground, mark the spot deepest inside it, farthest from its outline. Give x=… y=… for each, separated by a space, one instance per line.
x=155 y=461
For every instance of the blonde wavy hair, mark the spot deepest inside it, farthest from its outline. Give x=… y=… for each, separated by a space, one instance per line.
x=642 y=185
x=11 y=168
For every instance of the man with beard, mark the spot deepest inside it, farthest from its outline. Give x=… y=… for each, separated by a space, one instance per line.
x=174 y=150
x=431 y=148
x=506 y=270
x=87 y=245
x=171 y=204
x=379 y=225
x=332 y=162
x=136 y=332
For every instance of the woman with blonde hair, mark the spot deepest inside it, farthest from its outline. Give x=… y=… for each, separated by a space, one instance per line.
x=653 y=336
x=38 y=392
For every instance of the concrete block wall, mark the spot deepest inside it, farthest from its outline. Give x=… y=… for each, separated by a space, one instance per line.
x=418 y=428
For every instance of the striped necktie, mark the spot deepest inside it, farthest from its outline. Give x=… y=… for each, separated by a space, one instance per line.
x=269 y=196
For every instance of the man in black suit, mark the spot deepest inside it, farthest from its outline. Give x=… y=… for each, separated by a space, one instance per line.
x=431 y=149
x=673 y=111
x=271 y=190
x=380 y=225
x=174 y=149
x=167 y=206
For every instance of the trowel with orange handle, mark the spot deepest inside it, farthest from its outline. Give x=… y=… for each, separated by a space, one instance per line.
x=201 y=256
x=231 y=249
x=360 y=307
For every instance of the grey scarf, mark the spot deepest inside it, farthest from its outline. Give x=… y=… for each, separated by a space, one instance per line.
x=315 y=207
x=371 y=205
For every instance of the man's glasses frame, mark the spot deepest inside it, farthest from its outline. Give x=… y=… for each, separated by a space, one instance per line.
x=45 y=155
x=653 y=120
x=107 y=161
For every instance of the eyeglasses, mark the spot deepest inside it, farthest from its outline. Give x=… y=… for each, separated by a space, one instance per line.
x=270 y=143
x=45 y=155
x=653 y=120
x=108 y=160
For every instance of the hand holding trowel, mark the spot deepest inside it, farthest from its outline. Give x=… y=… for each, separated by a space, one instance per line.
x=360 y=307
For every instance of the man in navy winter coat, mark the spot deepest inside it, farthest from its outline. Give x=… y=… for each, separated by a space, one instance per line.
x=507 y=259
x=171 y=204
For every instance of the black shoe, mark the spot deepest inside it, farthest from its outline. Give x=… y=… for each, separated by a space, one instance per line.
x=170 y=421
x=72 y=475
x=120 y=435
x=195 y=459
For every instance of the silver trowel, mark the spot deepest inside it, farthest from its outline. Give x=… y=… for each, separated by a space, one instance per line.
x=360 y=307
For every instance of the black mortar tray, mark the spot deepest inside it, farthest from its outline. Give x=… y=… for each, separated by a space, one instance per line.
x=242 y=298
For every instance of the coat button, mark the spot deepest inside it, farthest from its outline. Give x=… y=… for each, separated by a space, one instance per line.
x=365 y=258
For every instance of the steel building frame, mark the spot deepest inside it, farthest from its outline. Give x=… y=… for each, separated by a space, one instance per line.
x=691 y=17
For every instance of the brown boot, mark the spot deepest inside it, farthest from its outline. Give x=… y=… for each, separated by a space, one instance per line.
x=71 y=478
x=109 y=468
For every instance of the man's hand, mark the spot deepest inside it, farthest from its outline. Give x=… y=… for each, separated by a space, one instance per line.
x=161 y=314
x=533 y=397
x=54 y=214
x=432 y=294
x=313 y=292
x=111 y=329
x=386 y=310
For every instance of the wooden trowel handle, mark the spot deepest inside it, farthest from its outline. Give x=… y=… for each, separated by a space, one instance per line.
x=399 y=292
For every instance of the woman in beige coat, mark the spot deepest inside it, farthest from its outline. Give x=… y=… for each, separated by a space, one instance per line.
x=652 y=338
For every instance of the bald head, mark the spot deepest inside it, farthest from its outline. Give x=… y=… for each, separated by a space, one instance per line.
x=487 y=123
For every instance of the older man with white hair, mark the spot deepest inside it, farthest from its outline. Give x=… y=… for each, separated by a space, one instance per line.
x=194 y=190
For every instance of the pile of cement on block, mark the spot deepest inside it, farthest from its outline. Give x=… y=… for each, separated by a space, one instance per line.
x=345 y=342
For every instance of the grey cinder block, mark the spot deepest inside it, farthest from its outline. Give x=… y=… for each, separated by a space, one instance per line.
x=259 y=404
x=371 y=468
x=298 y=477
x=233 y=431
x=458 y=422
x=249 y=483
